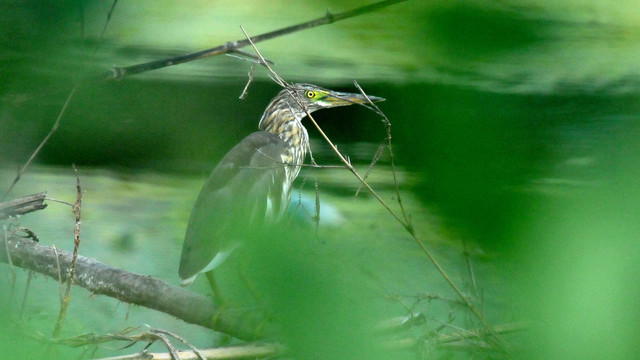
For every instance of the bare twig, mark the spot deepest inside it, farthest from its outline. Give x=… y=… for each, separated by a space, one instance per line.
x=106 y=23
x=197 y=352
x=66 y=299
x=29 y=234
x=117 y=73
x=387 y=125
x=249 y=81
x=149 y=337
x=263 y=61
x=375 y=159
x=58 y=271
x=23 y=205
x=250 y=351
x=44 y=141
x=468 y=340
x=154 y=336
x=59 y=201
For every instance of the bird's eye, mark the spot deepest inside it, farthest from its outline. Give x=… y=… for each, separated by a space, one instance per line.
x=310 y=94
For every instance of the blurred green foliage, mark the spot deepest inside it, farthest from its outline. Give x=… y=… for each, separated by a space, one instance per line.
x=516 y=123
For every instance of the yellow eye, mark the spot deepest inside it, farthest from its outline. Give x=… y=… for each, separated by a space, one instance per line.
x=310 y=94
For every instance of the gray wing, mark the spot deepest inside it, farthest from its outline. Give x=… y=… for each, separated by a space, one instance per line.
x=234 y=200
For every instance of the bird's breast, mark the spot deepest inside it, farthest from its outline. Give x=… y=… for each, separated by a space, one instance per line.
x=297 y=140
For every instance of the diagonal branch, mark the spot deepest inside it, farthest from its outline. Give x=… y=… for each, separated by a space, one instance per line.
x=54 y=128
x=66 y=299
x=135 y=289
x=117 y=73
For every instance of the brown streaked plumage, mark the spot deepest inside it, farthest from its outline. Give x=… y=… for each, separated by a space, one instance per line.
x=252 y=183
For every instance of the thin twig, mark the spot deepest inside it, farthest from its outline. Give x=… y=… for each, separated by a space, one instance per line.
x=59 y=271
x=264 y=62
x=245 y=56
x=250 y=351
x=59 y=201
x=106 y=23
x=299 y=204
x=374 y=160
x=182 y=340
x=66 y=299
x=249 y=81
x=387 y=124
x=152 y=335
x=44 y=141
x=29 y=233
x=167 y=343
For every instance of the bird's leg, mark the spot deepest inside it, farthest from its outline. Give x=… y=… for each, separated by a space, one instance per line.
x=217 y=296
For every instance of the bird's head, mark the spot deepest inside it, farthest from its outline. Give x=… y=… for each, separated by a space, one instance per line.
x=314 y=97
x=298 y=99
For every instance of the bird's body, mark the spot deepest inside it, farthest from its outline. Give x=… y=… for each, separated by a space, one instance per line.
x=252 y=183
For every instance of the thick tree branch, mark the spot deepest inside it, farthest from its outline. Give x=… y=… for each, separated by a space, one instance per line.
x=135 y=289
x=117 y=73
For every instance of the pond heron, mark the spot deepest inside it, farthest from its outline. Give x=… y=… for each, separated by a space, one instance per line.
x=252 y=183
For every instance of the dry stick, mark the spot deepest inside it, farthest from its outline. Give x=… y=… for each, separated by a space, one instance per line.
x=66 y=300
x=117 y=73
x=251 y=351
x=58 y=271
x=264 y=62
x=44 y=141
x=106 y=23
x=246 y=87
x=197 y=352
x=405 y=223
x=22 y=205
x=374 y=161
x=387 y=125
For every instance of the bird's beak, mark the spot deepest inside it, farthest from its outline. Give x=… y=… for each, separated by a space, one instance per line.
x=335 y=98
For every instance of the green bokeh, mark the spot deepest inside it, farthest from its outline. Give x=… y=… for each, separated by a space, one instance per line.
x=514 y=126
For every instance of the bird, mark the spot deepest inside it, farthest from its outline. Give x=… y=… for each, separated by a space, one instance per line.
x=252 y=183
